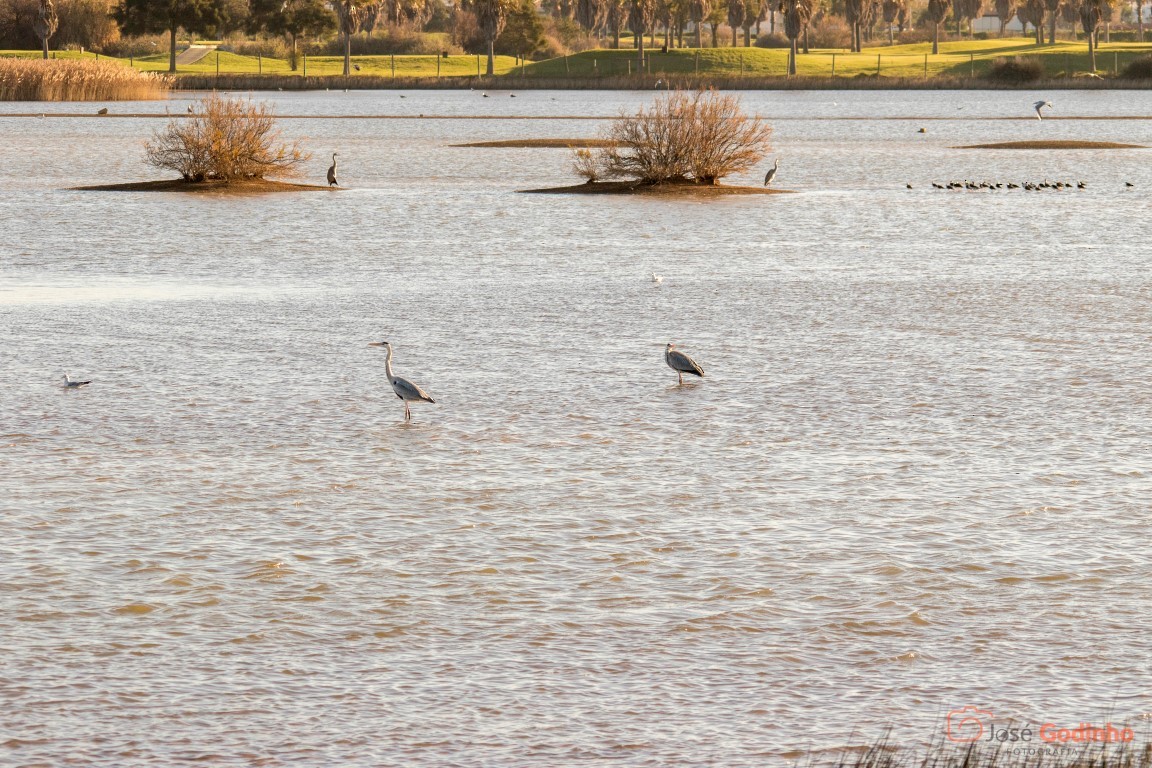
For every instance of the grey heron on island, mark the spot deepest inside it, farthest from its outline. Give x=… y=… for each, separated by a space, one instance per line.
x=772 y=172
x=404 y=389
x=681 y=363
x=332 y=173
x=70 y=384
x=1039 y=106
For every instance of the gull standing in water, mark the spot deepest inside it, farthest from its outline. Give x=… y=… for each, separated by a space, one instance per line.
x=681 y=363
x=404 y=389
x=1039 y=106
x=70 y=384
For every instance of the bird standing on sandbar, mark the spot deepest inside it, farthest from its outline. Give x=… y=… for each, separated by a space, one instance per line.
x=681 y=363
x=404 y=389
x=70 y=384
x=772 y=172
x=1039 y=106
x=332 y=173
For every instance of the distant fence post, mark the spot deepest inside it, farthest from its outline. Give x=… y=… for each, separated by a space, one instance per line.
x=393 y=66
x=305 y=65
x=877 y=64
x=925 y=66
x=1115 y=63
x=971 y=65
x=477 y=65
x=697 y=68
x=437 y=67
x=833 y=65
x=259 y=64
x=1067 y=66
x=629 y=66
x=217 y=63
x=566 y=70
x=131 y=60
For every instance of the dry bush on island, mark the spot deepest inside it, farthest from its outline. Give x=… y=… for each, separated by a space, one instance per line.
x=225 y=139
x=683 y=138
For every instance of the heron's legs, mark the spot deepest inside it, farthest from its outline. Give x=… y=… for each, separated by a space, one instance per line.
x=680 y=378
x=407 y=412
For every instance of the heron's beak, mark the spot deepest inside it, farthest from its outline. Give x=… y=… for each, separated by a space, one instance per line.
x=375 y=343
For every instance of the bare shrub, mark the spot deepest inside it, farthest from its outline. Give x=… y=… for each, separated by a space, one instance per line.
x=224 y=139
x=773 y=40
x=1140 y=69
x=1015 y=69
x=699 y=136
x=830 y=32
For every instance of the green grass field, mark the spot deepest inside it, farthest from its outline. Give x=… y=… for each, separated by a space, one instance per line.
x=956 y=59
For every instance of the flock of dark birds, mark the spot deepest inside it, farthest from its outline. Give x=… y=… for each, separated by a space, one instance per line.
x=1027 y=186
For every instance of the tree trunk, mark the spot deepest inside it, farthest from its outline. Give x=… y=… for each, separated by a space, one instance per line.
x=44 y=42
x=805 y=39
x=1092 y=50
x=747 y=37
x=1052 y=28
x=772 y=22
x=699 y=25
x=491 y=56
x=295 y=56
x=792 y=59
x=1039 y=34
x=891 y=41
x=1140 y=19
x=616 y=38
x=715 y=29
x=348 y=54
x=936 y=39
x=172 y=50
x=640 y=51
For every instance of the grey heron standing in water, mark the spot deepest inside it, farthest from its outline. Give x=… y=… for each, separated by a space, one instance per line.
x=332 y=173
x=404 y=389
x=1039 y=106
x=70 y=384
x=681 y=363
x=772 y=172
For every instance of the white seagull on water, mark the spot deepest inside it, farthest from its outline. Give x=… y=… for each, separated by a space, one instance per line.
x=1039 y=106
x=70 y=384
x=404 y=389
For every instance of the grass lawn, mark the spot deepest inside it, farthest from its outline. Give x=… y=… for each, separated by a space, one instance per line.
x=958 y=59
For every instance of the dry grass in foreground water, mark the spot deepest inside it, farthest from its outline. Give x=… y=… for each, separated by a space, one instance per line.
x=984 y=754
x=63 y=80
x=211 y=186
x=664 y=189
x=543 y=144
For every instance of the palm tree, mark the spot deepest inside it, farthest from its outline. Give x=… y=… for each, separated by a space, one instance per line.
x=348 y=14
x=592 y=14
x=797 y=14
x=735 y=17
x=46 y=23
x=854 y=14
x=490 y=17
x=1090 y=13
x=1052 y=7
x=753 y=10
x=699 y=10
x=1005 y=10
x=934 y=14
x=1032 y=12
x=890 y=11
x=641 y=16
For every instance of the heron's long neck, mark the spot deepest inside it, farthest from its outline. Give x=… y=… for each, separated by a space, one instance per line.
x=388 y=364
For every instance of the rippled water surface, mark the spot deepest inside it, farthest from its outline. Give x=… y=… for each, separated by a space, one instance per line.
x=916 y=477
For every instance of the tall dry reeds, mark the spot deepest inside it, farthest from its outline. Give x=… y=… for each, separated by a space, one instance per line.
x=698 y=136
x=224 y=139
x=62 y=80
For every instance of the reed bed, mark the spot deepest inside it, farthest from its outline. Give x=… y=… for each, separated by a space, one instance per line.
x=1039 y=754
x=63 y=80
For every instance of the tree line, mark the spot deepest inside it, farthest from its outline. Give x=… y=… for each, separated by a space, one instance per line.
x=25 y=21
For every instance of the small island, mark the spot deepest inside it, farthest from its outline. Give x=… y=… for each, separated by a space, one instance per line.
x=1058 y=144
x=225 y=146
x=681 y=146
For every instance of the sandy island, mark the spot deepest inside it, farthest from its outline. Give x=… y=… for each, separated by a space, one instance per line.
x=247 y=186
x=1053 y=145
x=544 y=143
x=681 y=189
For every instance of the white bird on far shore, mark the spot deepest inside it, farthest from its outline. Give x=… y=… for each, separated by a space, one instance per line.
x=657 y=278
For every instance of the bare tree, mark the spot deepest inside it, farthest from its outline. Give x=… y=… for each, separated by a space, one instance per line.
x=46 y=23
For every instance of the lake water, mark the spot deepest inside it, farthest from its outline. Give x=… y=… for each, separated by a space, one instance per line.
x=917 y=476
